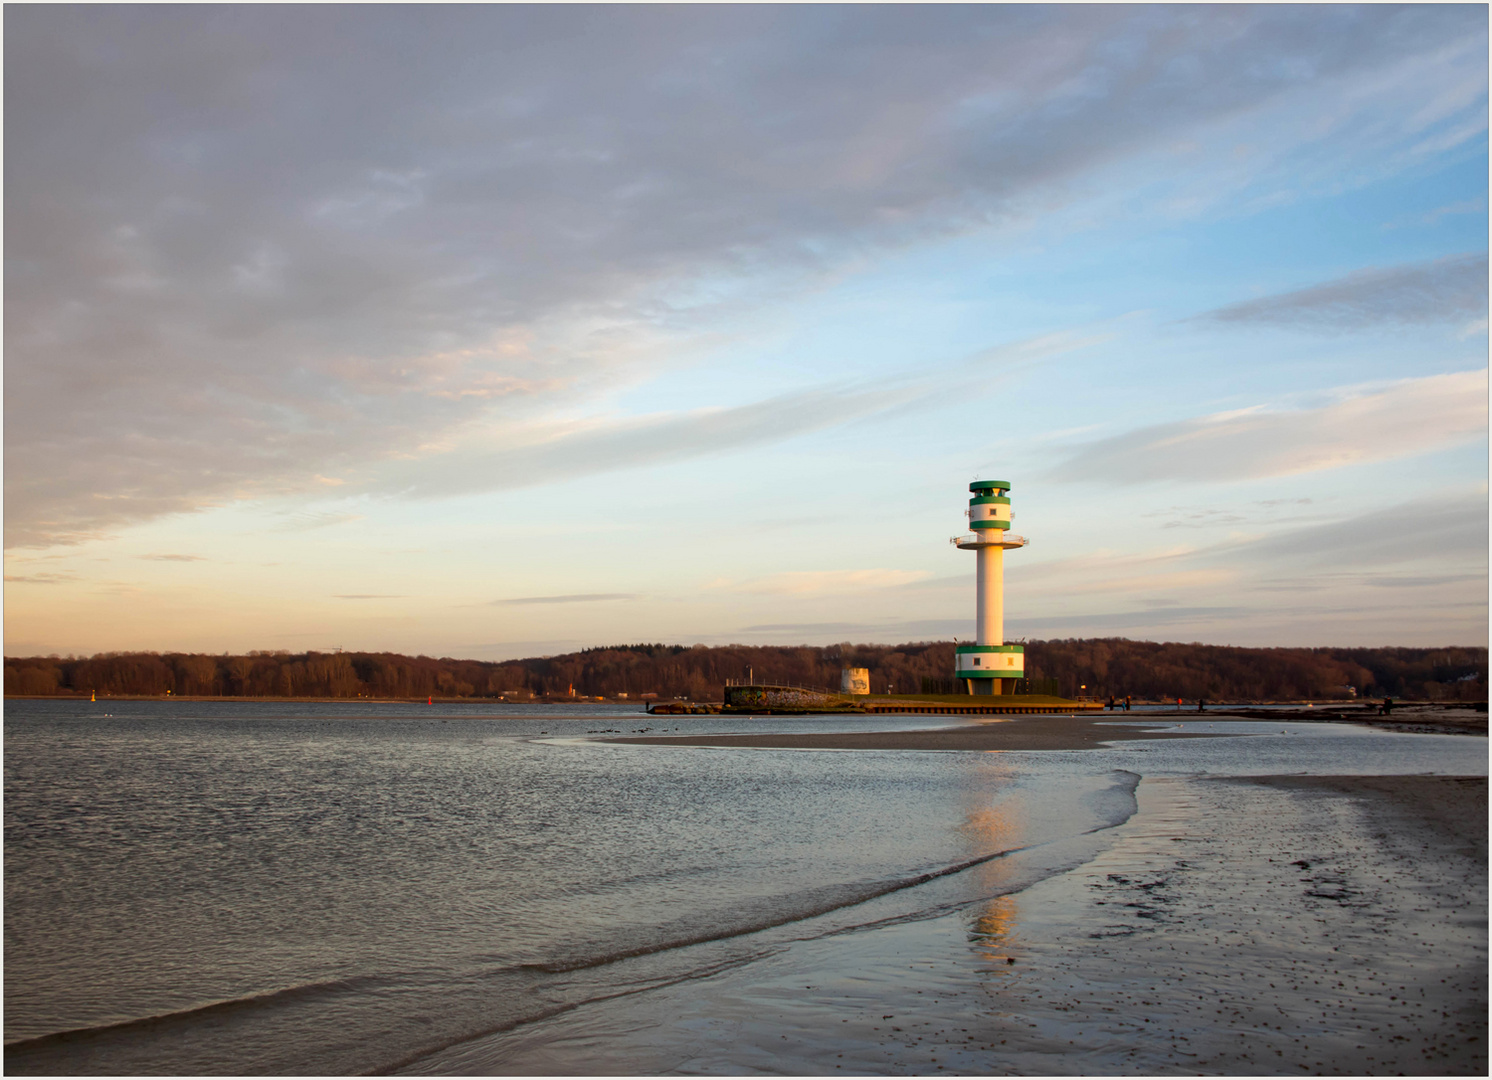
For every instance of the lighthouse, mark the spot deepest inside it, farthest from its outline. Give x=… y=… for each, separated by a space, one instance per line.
x=989 y=666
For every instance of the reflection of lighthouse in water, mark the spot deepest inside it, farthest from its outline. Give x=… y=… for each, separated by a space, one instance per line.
x=989 y=666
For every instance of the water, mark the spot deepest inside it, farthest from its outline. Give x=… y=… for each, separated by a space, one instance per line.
x=261 y=887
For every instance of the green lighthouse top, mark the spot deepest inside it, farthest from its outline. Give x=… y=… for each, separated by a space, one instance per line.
x=987 y=487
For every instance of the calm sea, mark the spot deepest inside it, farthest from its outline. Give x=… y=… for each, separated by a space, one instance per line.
x=330 y=888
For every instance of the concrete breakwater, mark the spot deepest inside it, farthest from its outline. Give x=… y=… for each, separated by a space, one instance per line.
x=764 y=699
x=786 y=699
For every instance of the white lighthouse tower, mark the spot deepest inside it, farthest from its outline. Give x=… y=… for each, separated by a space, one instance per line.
x=989 y=666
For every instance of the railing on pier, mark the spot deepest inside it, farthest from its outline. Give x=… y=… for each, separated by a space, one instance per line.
x=1046 y=687
x=781 y=686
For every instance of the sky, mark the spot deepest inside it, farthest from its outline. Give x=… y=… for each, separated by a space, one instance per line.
x=502 y=331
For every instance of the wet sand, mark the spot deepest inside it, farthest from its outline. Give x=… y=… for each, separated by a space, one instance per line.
x=1288 y=925
x=1421 y=719
x=1016 y=733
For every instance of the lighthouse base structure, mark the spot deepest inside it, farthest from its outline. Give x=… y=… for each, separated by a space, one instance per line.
x=989 y=669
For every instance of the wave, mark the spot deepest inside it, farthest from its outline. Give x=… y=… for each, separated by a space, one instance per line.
x=1119 y=810
x=216 y=1008
x=844 y=896
x=512 y=1024
x=1116 y=806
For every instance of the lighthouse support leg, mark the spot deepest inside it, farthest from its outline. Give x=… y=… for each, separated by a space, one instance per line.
x=990 y=613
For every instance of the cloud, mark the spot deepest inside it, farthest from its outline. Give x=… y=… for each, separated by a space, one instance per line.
x=1445 y=529
x=1261 y=511
x=175 y=558
x=41 y=579
x=303 y=521
x=545 y=453
x=1187 y=580
x=1427 y=556
x=253 y=249
x=367 y=596
x=1442 y=290
x=518 y=650
x=1426 y=581
x=890 y=631
x=1436 y=540
x=1165 y=579
x=1450 y=529
x=571 y=598
x=539 y=453
x=1464 y=206
x=815 y=582
x=1411 y=417
x=1124 y=620
x=1322 y=580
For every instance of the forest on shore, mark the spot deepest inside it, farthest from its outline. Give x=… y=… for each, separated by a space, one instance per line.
x=1092 y=667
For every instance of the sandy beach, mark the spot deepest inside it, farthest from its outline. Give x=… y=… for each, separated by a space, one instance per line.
x=1282 y=925
x=1144 y=895
x=1275 y=925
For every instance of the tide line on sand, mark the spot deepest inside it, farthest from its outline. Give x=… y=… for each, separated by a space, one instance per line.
x=1300 y=925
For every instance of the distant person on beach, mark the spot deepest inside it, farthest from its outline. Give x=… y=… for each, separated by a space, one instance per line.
x=1111 y=703
x=1128 y=701
x=1178 y=704
x=1388 y=707
x=1201 y=705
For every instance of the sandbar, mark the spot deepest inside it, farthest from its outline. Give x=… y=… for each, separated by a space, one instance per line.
x=1017 y=733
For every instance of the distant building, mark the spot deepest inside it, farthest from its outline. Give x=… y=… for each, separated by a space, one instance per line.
x=854 y=680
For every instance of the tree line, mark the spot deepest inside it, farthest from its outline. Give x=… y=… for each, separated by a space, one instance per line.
x=1094 y=667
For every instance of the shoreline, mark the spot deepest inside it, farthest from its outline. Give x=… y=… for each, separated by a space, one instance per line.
x=1046 y=732
x=486 y=702
x=1425 y=718
x=1271 y=925
x=1419 y=719
x=876 y=913
x=1145 y=706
